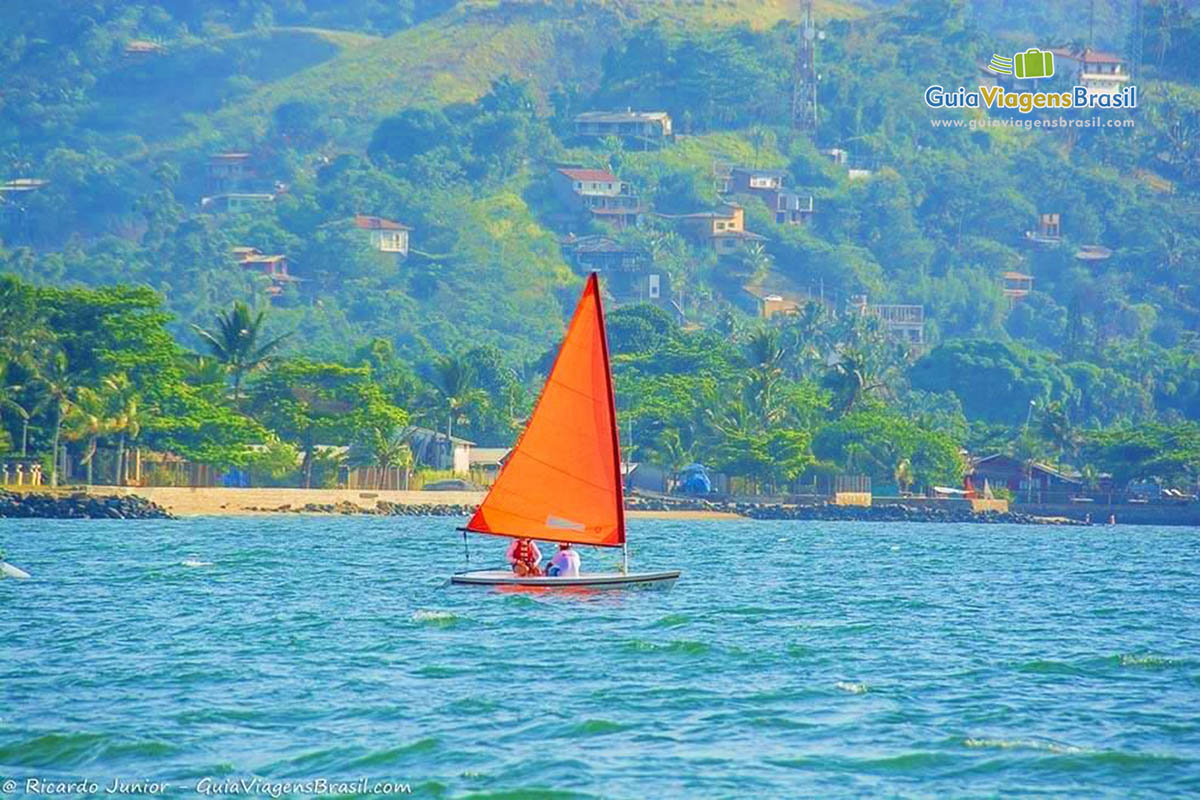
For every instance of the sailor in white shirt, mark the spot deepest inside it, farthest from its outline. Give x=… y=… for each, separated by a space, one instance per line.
x=565 y=563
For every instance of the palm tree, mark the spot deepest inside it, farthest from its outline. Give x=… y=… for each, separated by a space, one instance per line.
x=389 y=447
x=127 y=416
x=88 y=420
x=454 y=380
x=235 y=343
x=852 y=378
x=763 y=348
x=54 y=382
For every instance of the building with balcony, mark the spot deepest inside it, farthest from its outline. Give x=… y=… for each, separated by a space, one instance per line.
x=649 y=126
x=597 y=194
x=904 y=323
x=385 y=235
x=1097 y=71
x=1017 y=286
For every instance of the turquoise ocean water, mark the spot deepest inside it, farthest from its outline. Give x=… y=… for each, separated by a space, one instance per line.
x=793 y=659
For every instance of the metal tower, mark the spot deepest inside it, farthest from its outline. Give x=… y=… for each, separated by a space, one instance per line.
x=1136 y=35
x=804 y=75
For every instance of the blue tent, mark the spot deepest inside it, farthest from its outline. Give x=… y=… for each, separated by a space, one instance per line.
x=693 y=479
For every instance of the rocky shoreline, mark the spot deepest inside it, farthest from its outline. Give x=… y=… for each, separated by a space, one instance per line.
x=79 y=506
x=828 y=512
x=382 y=508
x=898 y=513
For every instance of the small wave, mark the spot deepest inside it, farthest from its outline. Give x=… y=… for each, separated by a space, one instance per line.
x=852 y=688
x=907 y=762
x=395 y=754
x=672 y=621
x=1021 y=744
x=596 y=727
x=530 y=794
x=1049 y=667
x=683 y=646
x=436 y=671
x=73 y=749
x=1149 y=661
x=195 y=563
x=435 y=617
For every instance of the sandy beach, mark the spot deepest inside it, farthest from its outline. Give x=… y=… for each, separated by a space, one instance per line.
x=221 y=501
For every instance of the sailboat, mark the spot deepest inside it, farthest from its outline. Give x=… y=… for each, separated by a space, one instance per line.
x=562 y=481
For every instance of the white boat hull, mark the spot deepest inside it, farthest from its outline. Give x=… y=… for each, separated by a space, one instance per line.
x=8 y=570
x=595 y=580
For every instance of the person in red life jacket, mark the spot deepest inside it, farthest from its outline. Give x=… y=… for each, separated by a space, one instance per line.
x=524 y=556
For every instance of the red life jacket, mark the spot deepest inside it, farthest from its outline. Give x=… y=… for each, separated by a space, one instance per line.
x=524 y=552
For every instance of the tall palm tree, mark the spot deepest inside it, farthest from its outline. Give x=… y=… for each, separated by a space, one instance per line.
x=764 y=348
x=126 y=416
x=852 y=377
x=236 y=343
x=53 y=382
x=87 y=421
x=389 y=447
x=454 y=380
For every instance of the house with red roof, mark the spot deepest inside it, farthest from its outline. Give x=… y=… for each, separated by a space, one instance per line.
x=273 y=266
x=385 y=235
x=1099 y=72
x=597 y=194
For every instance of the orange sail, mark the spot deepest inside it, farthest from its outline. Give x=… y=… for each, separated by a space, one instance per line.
x=562 y=481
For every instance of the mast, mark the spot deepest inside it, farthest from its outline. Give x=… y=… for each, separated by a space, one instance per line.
x=594 y=286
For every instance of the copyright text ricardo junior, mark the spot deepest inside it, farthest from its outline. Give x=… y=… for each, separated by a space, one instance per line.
x=207 y=787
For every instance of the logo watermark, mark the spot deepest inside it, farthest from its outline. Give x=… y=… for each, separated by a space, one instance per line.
x=204 y=787
x=1098 y=88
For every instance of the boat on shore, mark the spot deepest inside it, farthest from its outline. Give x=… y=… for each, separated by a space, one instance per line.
x=562 y=481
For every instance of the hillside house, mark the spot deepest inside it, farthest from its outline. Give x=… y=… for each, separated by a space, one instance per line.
x=274 y=267
x=1090 y=254
x=13 y=194
x=597 y=194
x=21 y=186
x=837 y=155
x=229 y=171
x=627 y=273
x=1017 y=286
x=385 y=235
x=723 y=229
x=768 y=304
x=236 y=202
x=905 y=323
x=605 y=255
x=789 y=208
x=751 y=180
x=647 y=126
x=1097 y=71
x=792 y=208
x=1048 y=232
x=142 y=49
